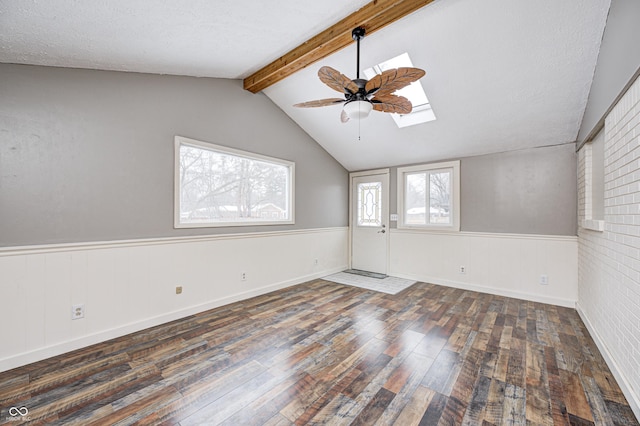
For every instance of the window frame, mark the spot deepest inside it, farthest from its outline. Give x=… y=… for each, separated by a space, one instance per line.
x=421 y=112
x=180 y=141
x=402 y=172
x=594 y=183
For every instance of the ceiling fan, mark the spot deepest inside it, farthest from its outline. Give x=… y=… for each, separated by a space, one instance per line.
x=360 y=95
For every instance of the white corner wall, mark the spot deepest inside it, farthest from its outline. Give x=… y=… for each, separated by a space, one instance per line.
x=609 y=261
x=127 y=286
x=504 y=264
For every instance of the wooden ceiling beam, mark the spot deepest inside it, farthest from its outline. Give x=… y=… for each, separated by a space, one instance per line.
x=373 y=16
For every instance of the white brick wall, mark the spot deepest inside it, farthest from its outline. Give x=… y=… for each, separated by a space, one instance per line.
x=609 y=261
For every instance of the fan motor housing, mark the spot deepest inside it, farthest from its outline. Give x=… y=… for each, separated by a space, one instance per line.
x=361 y=94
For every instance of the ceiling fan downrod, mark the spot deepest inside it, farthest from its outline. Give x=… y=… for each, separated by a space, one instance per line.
x=358 y=34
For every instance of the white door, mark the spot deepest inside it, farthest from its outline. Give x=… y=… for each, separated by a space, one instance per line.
x=369 y=222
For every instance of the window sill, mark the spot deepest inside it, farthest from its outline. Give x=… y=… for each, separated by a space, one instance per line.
x=184 y=225
x=593 y=225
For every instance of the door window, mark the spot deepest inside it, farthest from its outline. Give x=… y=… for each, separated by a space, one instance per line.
x=370 y=204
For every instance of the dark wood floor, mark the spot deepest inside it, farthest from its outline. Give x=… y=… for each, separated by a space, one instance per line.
x=325 y=353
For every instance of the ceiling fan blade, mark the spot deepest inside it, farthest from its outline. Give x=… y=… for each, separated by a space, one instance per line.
x=337 y=81
x=344 y=117
x=373 y=85
x=391 y=80
x=392 y=104
x=319 y=103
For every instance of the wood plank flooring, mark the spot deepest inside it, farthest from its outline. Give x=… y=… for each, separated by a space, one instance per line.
x=326 y=353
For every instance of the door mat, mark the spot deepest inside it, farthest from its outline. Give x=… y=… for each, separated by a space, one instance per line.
x=366 y=273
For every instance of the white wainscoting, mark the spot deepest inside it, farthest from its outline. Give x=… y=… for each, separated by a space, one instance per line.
x=504 y=264
x=127 y=286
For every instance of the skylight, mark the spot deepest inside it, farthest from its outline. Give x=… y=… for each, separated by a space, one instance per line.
x=421 y=112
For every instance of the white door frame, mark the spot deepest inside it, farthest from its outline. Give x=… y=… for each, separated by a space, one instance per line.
x=385 y=199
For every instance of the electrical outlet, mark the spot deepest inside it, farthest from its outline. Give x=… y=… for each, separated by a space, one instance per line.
x=243 y=276
x=463 y=269
x=77 y=312
x=179 y=289
x=544 y=279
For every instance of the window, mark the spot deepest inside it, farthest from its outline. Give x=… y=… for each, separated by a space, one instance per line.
x=220 y=186
x=421 y=111
x=370 y=204
x=594 y=183
x=429 y=196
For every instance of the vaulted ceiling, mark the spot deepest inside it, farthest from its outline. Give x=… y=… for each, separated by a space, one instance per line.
x=500 y=74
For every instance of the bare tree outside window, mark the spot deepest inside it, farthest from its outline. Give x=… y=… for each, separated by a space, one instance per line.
x=416 y=199
x=440 y=197
x=217 y=187
x=432 y=206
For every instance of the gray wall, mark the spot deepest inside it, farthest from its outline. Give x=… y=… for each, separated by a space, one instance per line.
x=618 y=61
x=88 y=155
x=530 y=191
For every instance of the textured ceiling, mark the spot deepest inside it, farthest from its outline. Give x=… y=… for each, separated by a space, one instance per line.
x=501 y=74
x=204 y=38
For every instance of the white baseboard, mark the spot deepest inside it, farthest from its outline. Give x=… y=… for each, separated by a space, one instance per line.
x=632 y=397
x=492 y=290
x=71 y=345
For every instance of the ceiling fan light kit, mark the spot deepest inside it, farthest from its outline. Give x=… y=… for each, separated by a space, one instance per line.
x=356 y=110
x=360 y=95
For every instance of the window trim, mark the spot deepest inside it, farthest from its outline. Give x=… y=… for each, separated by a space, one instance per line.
x=455 y=196
x=183 y=141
